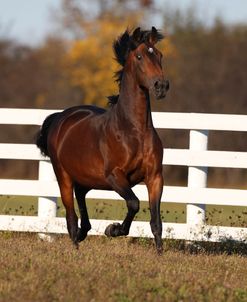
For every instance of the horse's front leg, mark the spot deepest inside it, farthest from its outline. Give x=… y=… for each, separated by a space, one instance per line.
x=155 y=188
x=120 y=184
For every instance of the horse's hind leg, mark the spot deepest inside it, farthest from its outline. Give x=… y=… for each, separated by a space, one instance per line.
x=66 y=189
x=120 y=184
x=80 y=194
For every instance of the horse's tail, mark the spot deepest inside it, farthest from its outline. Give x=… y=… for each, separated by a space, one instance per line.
x=41 y=140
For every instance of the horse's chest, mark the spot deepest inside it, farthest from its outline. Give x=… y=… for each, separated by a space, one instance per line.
x=131 y=150
x=130 y=159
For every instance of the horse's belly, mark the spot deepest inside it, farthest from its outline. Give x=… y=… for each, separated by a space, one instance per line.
x=93 y=182
x=86 y=169
x=136 y=177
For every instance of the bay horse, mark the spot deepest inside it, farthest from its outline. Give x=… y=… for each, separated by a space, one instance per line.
x=113 y=149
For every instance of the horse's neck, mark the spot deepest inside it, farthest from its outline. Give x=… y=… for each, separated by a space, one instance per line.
x=134 y=104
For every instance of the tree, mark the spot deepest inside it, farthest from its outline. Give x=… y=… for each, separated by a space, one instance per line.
x=90 y=63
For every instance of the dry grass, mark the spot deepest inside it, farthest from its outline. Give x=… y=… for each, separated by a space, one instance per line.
x=115 y=270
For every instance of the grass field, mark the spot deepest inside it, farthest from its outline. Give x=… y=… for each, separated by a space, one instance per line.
x=104 y=209
x=119 y=269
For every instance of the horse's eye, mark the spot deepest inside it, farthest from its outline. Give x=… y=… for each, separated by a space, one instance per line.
x=139 y=57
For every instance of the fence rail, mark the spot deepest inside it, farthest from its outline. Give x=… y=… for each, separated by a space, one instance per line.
x=196 y=195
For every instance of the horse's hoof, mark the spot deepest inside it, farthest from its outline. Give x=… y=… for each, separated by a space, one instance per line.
x=76 y=244
x=113 y=230
x=81 y=235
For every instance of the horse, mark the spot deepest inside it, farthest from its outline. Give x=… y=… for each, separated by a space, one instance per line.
x=115 y=148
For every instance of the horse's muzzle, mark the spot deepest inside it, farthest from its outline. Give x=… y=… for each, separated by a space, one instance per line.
x=160 y=88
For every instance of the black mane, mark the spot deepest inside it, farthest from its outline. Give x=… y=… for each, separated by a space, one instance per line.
x=122 y=46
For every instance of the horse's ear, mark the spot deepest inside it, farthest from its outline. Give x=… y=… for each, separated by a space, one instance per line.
x=136 y=36
x=154 y=36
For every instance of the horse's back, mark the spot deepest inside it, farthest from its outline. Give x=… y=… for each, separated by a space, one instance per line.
x=80 y=112
x=74 y=115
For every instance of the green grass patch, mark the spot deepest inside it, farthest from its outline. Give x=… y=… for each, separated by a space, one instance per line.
x=97 y=209
x=18 y=205
x=226 y=216
x=108 y=209
x=116 y=209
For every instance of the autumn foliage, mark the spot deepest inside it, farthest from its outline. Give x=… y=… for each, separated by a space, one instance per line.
x=90 y=61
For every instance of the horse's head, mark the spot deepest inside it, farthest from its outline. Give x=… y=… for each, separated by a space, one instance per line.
x=145 y=60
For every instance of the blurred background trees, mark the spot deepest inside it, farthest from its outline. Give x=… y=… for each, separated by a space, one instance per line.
x=206 y=66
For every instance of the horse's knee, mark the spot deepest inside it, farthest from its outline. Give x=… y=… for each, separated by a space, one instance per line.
x=134 y=205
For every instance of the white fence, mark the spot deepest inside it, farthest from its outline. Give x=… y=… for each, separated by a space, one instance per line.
x=196 y=195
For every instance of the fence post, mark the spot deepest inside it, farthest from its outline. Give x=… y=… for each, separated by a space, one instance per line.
x=197 y=177
x=47 y=206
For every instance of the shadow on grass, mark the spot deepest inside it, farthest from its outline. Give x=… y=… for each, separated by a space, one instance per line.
x=228 y=247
